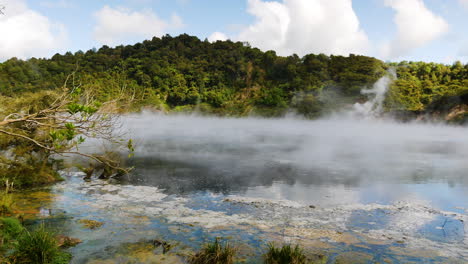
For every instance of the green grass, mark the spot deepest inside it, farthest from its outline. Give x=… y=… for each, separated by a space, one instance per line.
x=287 y=254
x=214 y=253
x=39 y=247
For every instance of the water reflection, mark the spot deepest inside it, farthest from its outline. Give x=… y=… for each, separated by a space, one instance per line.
x=285 y=181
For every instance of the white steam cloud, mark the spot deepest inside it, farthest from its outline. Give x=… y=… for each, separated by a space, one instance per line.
x=312 y=152
x=119 y=25
x=374 y=107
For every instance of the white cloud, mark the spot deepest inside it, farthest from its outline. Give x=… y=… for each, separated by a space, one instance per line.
x=464 y=3
x=26 y=33
x=217 y=36
x=118 y=25
x=57 y=4
x=183 y=2
x=305 y=26
x=416 y=26
x=463 y=50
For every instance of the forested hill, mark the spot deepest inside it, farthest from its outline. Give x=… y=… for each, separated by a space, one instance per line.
x=225 y=77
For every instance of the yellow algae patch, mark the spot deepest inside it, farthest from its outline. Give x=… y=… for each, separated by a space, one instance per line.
x=335 y=236
x=139 y=219
x=90 y=224
x=419 y=253
x=148 y=258
x=27 y=213
x=179 y=229
x=32 y=204
x=374 y=241
x=141 y=252
x=100 y=261
x=310 y=243
x=244 y=249
x=387 y=260
x=363 y=246
x=315 y=244
x=353 y=258
x=42 y=196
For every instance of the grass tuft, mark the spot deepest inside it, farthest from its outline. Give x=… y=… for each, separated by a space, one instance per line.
x=287 y=254
x=214 y=253
x=39 y=246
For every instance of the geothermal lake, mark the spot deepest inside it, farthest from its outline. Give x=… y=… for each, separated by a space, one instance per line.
x=355 y=190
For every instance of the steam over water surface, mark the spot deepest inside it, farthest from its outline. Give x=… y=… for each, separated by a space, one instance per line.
x=324 y=162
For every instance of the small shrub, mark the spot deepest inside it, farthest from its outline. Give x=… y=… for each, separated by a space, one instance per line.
x=214 y=253
x=38 y=246
x=6 y=204
x=284 y=255
x=10 y=229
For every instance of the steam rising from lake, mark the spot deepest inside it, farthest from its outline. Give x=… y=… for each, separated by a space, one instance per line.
x=334 y=150
x=374 y=107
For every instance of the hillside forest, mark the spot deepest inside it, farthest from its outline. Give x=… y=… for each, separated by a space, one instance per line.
x=184 y=73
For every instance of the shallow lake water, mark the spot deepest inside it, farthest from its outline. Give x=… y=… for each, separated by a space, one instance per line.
x=355 y=190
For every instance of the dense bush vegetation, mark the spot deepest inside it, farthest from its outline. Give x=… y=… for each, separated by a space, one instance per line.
x=419 y=84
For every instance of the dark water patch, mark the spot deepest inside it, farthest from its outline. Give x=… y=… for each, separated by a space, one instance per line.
x=444 y=229
x=217 y=203
x=365 y=220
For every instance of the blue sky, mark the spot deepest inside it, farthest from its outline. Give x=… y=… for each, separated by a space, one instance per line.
x=429 y=30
